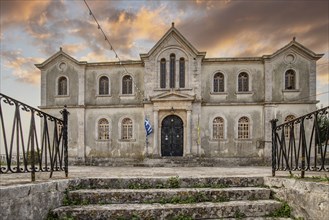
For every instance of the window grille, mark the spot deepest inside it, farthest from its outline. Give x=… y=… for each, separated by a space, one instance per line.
x=127 y=129
x=103 y=129
x=62 y=86
x=127 y=85
x=243 y=82
x=219 y=82
x=182 y=73
x=163 y=73
x=218 y=128
x=290 y=80
x=103 y=85
x=243 y=128
x=172 y=70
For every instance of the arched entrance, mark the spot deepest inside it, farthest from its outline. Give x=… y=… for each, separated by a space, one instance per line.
x=172 y=136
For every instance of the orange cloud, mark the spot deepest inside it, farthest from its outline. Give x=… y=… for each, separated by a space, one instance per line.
x=18 y=12
x=22 y=68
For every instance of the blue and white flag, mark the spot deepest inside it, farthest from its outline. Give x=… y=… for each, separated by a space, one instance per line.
x=148 y=127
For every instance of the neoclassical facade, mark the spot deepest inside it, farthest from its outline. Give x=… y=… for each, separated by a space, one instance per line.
x=197 y=106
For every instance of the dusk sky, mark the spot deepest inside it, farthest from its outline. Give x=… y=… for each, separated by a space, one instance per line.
x=33 y=30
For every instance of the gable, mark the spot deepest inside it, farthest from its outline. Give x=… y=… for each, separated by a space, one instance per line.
x=173 y=38
x=56 y=56
x=296 y=47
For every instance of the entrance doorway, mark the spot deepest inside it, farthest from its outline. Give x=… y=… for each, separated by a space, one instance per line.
x=172 y=136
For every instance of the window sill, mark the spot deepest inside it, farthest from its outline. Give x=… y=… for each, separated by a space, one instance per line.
x=103 y=141
x=102 y=96
x=290 y=90
x=218 y=93
x=126 y=95
x=127 y=140
x=244 y=93
x=62 y=96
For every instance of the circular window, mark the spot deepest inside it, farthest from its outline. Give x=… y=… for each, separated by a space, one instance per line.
x=290 y=58
x=62 y=66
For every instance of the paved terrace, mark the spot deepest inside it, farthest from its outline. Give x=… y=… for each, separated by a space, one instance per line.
x=93 y=171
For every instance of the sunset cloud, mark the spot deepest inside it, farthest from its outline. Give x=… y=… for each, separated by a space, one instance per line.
x=221 y=28
x=22 y=67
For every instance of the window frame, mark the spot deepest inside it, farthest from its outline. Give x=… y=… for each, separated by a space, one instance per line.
x=219 y=126
x=106 y=127
x=58 y=84
x=287 y=85
x=243 y=86
x=182 y=73
x=217 y=75
x=172 y=71
x=125 y=134
x=241 y=131
x=108 y=86
x=130 y=87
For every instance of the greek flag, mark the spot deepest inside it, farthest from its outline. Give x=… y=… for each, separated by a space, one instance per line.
x=148 y=127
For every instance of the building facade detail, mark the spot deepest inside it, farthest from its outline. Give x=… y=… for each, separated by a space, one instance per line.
x=197 y=106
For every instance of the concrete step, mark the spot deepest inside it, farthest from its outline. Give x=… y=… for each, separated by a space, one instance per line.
x=180 y=195
x=204 y=210
x=165 y=182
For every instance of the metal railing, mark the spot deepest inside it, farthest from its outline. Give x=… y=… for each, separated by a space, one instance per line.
x=28 y=147
x=301 y=144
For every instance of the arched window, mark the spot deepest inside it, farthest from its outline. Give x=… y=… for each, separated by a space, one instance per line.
x=163 y=73
x=172 y=70
x=243 y=82
x=103 y=85
x=219 y=82
x=218 y=128
x=290 y=80
x=103 y=129
x=287 y=129
x=243 y=128
x=62 y=85
x=127 y=129
x=127 y=85
x=182 y=73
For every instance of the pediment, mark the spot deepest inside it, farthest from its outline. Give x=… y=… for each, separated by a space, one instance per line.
x=172 y=96
x=297 y=47
x=173 y=38
x=57 y=55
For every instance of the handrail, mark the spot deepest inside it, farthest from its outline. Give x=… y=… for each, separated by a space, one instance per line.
x=301 y=144
x=46 y=152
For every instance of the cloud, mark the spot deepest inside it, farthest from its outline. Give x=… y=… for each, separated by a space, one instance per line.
x=22 y=67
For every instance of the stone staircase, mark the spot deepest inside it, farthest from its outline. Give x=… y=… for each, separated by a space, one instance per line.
x=171 y=198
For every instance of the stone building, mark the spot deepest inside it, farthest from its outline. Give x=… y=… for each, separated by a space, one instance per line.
x=198 y=107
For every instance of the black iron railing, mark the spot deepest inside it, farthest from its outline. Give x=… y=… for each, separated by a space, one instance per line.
x=301 y=144
x=31 y=140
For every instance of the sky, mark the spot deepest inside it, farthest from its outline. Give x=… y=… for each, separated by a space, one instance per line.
x=33 y=30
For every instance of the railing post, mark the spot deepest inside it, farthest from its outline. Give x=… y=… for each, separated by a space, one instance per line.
x=273 y=123
x=303 y=148
x=65 y=114
x=32 y=126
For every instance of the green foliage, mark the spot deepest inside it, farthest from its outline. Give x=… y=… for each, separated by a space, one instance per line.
x=182 y=217
x=173 y=182
x=283 y=212
x=239 y=214
x=29 y=157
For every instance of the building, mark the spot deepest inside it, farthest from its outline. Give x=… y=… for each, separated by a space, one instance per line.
x=197 y=106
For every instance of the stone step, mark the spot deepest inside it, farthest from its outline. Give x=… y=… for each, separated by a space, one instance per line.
x=165 y=182
x=204 y=210
x=180 y=195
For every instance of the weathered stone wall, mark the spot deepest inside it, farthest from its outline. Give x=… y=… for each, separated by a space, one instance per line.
x=309 y=200
x=31 y=201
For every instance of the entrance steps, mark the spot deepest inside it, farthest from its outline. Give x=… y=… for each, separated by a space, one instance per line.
x=189 y=161
x=171 y=198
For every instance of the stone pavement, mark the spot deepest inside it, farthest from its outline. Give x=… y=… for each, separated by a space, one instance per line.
x=93 y=171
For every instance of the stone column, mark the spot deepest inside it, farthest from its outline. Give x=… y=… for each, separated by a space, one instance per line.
x=189 y=134
x=156 y=133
